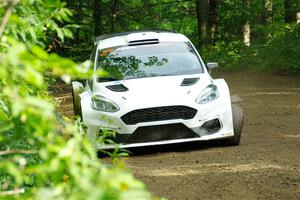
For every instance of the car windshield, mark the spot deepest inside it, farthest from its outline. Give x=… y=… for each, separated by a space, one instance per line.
x=162 y=59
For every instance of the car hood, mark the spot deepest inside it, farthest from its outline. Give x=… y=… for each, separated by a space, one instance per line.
x=154 y=91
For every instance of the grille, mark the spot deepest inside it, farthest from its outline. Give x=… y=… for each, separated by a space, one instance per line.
x=158 y=114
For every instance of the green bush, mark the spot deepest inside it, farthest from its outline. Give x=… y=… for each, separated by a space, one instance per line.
x=43 y=156
x=279 y=54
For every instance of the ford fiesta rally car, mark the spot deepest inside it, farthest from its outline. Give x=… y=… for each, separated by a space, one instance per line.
x=157 y=91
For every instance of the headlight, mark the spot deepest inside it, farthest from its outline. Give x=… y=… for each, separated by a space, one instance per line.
x=209 y=94
x=104 y=104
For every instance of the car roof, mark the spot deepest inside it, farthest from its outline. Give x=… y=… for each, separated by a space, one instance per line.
x=120 y=39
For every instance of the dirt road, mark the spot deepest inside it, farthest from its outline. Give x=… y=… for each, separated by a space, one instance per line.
x=266 y=165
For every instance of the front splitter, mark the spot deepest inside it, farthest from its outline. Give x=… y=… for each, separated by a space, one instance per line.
x=156 y=143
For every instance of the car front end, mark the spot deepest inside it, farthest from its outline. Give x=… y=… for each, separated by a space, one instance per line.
x=155 y=82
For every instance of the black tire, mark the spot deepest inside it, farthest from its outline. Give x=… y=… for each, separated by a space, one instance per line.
x=238 y=121
x=76 y=101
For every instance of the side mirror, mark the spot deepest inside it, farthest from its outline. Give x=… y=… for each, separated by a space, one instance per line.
x=77 y=87
x=212 y=65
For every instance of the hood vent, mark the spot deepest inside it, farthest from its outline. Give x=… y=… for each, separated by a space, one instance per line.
x=189 y=81
x=143 y=42
x=117 y=88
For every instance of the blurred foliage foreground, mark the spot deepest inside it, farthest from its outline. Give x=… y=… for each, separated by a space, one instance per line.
x=43 y=156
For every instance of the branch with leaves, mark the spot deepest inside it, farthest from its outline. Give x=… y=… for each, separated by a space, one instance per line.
x=7 y=14
x=9 y=152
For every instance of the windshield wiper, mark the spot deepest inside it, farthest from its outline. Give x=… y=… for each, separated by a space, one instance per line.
x=188 y=72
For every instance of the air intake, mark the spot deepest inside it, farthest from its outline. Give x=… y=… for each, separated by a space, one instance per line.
x=189 y=81
x=143 y=42
x=117 y=88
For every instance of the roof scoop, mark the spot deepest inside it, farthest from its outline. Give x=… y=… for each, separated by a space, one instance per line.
x=142 y=38
x=143 y=42
x=189 y=81
x=117 y=88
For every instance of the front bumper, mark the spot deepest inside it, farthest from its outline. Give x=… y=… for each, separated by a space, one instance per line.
x=218 y=109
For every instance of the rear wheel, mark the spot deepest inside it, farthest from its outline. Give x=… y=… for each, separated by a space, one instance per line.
x=76 y=90
x=238 y=119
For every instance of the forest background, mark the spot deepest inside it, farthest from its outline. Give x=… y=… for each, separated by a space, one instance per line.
x=238 y=34
x=44 y=155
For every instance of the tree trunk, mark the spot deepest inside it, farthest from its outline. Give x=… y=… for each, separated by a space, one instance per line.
x=289 y=11
x=247 y=27
x=212 y=20
x=246 y=33
x=266 y=20
x=97 y=18
x=268 y=12
x=202 y=17
x=78 y=16
x=114 y=15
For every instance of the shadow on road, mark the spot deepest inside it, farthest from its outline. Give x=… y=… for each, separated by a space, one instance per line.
x=181 y=147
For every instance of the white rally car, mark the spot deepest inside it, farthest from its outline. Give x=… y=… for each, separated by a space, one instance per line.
x=157 y=91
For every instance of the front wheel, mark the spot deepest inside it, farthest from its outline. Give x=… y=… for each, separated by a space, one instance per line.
x=237 y=120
